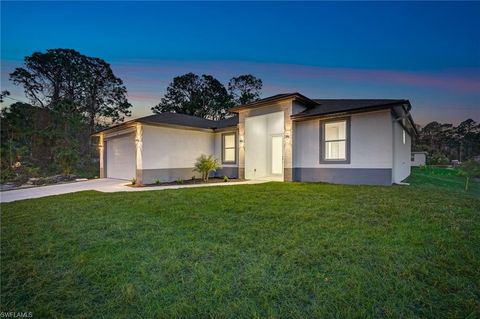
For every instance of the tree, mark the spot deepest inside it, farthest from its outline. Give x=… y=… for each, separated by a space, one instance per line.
x=3 y=94
x=461 y=142
x=59 y=75
x=206 y=164
x=245 y=88
x=199 y=96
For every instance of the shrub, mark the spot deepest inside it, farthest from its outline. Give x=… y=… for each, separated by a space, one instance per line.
x=225 y=179
x=438 y=159
x=206 y=164
x=157 y=181
x=469 y=169
x=179 y=181
x=134 y=181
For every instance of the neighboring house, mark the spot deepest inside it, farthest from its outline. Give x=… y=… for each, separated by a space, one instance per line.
x=285 y=137
x=419 y=158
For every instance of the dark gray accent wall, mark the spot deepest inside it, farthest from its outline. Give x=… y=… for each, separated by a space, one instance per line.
x=230 y=172
x=149 y=176
x=361 y=176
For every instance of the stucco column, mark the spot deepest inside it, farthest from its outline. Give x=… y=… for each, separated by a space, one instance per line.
x=288 y=145
x=241 y=145
x=139 y=153
x=102 y=156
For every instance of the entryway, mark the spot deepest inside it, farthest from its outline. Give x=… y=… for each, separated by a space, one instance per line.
x=264 y=147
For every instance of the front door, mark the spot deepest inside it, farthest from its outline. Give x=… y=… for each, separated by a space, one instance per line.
x=277 y=155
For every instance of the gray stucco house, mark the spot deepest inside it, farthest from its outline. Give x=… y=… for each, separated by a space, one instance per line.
x=285 y=137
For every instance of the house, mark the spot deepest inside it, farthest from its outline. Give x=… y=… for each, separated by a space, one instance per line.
x=285 y=137
x=419 y=158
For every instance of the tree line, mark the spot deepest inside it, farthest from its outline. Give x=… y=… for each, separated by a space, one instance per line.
x=71 y=95
x=446 y=142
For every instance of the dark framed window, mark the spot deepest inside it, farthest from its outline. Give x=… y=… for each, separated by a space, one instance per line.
x=335 y=141
x=229 y=148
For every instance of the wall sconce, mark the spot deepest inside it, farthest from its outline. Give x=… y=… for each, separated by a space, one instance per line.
x=287 y=136
x=241 y=141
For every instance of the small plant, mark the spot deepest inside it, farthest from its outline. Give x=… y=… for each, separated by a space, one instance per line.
x=179 y=181
x=157 y=181
x=469 y=169
x=206 y=164
x=225 y=179
x=134 y=181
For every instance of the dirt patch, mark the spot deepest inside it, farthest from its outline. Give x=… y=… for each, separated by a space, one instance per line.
x=197 y=181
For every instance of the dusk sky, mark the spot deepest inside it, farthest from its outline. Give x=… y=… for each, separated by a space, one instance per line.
x=426 y=52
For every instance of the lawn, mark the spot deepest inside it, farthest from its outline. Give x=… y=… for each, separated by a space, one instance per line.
x=279 y=250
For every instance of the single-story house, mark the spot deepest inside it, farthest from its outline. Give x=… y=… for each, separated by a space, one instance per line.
x=419 y=158
x=285 y=137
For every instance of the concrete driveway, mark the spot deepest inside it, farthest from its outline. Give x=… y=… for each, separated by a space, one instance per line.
x=106 y=185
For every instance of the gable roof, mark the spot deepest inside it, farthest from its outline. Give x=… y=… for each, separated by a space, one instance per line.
x=276 y=98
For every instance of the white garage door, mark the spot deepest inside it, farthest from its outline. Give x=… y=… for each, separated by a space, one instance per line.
x=121 y=157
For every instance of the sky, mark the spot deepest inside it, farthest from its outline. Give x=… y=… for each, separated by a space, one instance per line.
x=427 y=52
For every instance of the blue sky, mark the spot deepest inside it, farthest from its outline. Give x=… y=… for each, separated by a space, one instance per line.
x=426 y=52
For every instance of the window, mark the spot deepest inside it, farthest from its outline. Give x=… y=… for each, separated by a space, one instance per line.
x=228 y=148
x=335 y=141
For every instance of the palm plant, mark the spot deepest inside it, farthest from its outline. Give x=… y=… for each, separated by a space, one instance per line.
x=206 y=164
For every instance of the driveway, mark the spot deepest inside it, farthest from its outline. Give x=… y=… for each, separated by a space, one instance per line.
x=106 y=185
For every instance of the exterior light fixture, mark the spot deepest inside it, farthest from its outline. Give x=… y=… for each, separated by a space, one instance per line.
x=241 y=140
x=287 y=136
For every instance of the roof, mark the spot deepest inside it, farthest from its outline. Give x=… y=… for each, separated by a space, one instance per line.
x=178 y=119
x=330 y=106
x=276 y=98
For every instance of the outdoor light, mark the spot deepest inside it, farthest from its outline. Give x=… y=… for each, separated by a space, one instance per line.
x=240 y=140
x=287 y=136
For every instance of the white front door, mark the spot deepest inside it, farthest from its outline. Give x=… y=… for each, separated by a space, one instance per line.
x=277 y=155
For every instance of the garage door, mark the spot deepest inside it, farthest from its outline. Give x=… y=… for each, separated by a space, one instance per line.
x=121 y=157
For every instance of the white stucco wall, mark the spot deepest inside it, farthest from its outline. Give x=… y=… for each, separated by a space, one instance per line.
x=371 y=142
x=401 y=153
x=165 y=147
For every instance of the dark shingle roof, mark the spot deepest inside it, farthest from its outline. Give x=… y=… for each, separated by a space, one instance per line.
x=295 y=95
x=231 y=121
x=330 y=106
x=178 y=119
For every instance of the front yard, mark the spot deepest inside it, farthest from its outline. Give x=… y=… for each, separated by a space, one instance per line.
x=269 y=250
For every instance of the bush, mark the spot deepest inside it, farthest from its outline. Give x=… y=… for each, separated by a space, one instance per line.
x=157 y=181
x=225 y=179
x=438 y=159
x=134 y=181
x=206 y=164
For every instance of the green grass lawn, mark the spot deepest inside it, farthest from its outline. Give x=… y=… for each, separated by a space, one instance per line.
x=280 y=250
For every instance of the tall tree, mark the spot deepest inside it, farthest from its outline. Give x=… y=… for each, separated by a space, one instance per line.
x=202 y=96
x=245 y=88
x=60 y=75
x=3 y=94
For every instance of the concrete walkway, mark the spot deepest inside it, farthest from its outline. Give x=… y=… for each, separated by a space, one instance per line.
x=106 y=185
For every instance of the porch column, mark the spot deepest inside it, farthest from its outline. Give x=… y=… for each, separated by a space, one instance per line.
x=241 y=145
x=288 y=142
x=139 y=153
x=102 y=156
